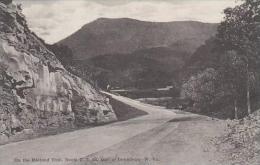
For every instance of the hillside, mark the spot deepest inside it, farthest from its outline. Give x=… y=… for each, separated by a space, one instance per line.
x=149 y=68
x=124 y=36
x=36 y=91
x=130 y=53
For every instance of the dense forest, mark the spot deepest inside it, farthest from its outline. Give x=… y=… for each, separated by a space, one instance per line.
x=224 y=73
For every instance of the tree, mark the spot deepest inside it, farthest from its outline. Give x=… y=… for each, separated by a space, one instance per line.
x=201 y=88
x=239 y=32
x=232 y=78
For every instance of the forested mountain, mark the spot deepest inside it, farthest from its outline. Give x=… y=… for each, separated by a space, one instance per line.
x=130 y=53
x=106 y=36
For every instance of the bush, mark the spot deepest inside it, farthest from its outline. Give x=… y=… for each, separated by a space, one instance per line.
x=201 y=88
x=243 y=139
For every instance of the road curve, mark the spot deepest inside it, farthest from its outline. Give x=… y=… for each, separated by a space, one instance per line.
x=81 y=143
x=185 y=139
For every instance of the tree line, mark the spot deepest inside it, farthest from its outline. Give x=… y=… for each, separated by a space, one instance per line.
x=234 y=77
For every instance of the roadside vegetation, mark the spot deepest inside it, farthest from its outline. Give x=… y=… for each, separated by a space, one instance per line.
x=241 y=143
x=222 y=78
x=239 y=39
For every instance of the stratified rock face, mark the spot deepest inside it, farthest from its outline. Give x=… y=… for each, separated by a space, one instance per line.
x=36 y=92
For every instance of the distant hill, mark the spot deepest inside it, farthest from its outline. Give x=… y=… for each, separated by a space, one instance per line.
x=123 y=36
x=147 y=68
x=206 y=56
x=130 y=53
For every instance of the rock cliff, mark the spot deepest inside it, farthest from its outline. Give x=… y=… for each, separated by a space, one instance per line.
x=36 y=92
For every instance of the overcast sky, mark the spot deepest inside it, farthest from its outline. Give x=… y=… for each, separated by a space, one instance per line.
x=54 y=20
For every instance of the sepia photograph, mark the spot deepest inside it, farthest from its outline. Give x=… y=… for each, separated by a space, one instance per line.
x=129 y=82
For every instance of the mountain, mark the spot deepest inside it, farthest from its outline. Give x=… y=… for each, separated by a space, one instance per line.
x=36 y=91
x=112 y=36
x=140 y=69
x=206 y=56
x=130 y=53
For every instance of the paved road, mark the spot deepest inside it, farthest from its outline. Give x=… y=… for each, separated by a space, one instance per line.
x=165 y=137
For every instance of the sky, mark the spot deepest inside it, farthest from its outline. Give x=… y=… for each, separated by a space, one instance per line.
x=54 y=20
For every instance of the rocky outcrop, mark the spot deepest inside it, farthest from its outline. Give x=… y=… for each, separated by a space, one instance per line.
x=6 y=2
x=36 y=92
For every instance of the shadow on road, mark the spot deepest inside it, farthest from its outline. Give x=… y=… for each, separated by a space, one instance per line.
x=124 y=111
x=183 y=119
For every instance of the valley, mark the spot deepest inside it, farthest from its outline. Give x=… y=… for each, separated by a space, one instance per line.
x=123 y=90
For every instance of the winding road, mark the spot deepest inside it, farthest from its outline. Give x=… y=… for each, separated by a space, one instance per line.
x=163 y=137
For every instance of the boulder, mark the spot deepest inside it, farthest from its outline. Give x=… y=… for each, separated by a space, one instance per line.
x=28 y=131
x=3 y=139
x=2 y=127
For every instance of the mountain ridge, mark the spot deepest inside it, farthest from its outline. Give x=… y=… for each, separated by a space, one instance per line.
x=126 y=35
x=144 y=21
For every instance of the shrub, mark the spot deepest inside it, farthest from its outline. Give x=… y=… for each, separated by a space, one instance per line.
x=201 y=88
